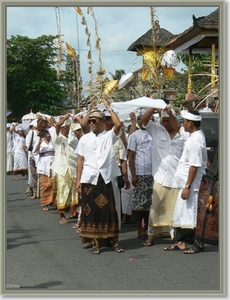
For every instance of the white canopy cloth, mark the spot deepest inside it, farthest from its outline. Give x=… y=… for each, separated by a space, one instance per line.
x=123 y=109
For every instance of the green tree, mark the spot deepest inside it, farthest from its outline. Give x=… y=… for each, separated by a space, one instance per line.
x=117 y=75
x=31 y=76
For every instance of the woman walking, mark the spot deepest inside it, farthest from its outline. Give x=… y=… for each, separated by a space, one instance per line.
x=44 y=149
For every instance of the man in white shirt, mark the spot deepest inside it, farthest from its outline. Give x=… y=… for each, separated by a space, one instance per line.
x=168 y=147
x=96 y=168
x=191 y=167
x=140 y=151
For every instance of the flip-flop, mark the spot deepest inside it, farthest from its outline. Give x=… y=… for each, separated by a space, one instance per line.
x=173 y=247
x=63 y=222
x=147 y=243
x=76 y=226
x=118 y=249
x=95 y=250
x=193 y=250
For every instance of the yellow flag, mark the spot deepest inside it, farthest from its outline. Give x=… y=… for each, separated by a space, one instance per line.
x=79 y=11
x=110 y=86
x=69 y=49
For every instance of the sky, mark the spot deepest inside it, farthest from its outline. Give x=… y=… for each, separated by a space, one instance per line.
x=118 y=28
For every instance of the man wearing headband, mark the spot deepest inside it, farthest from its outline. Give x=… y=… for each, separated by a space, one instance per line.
x=168 y=147
x=188 y=177
x=96 y=168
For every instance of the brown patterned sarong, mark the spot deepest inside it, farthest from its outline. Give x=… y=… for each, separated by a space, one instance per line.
x=48 y=190
x=99 y=216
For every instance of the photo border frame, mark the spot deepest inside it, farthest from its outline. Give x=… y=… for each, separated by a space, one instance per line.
x=223 y=138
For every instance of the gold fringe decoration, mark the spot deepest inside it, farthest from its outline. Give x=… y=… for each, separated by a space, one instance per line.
x=79 y=11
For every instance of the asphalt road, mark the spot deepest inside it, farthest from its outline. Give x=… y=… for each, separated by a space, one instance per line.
x=43 y=257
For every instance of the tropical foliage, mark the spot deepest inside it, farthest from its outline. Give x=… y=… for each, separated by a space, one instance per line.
x=31 y=76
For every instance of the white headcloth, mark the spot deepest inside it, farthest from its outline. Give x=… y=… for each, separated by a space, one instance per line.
x=189 y=116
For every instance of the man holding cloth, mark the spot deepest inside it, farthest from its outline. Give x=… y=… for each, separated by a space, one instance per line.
x=188 y=177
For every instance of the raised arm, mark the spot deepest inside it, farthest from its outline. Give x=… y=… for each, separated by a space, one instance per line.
x=84 y=122
x=12 y=128
x=133 y=126
x=147 y=115
x=114 y=117
x=175 y=124
x=60 y=122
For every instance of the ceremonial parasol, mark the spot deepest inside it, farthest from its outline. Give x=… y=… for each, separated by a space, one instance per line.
x=29 y=117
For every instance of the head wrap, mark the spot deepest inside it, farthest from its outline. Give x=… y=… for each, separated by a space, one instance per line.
x=75 y=126
x=19 y=128
x=190 y=116
x=66 y=123
x=165 y=115
x=8 y=125
x=96 y=113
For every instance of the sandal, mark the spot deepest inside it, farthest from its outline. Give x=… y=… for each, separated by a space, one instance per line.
x=76 y=226
x=193 y=250
x=45 y=208
x=63 y=222
x=72 y=217
x=148 y=243
x=118 y=249
x=174 y=247
x=78 y=230
x=95 y=250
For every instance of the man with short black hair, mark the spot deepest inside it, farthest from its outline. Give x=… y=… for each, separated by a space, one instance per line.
x=168 y=147
x=188 y=177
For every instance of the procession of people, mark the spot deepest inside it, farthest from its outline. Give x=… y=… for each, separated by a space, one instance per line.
x=74 y=165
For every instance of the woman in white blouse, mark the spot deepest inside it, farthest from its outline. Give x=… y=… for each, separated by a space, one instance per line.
x=44 y=149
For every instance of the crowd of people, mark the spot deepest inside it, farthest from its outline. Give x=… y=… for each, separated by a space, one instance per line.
x=91 y=168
